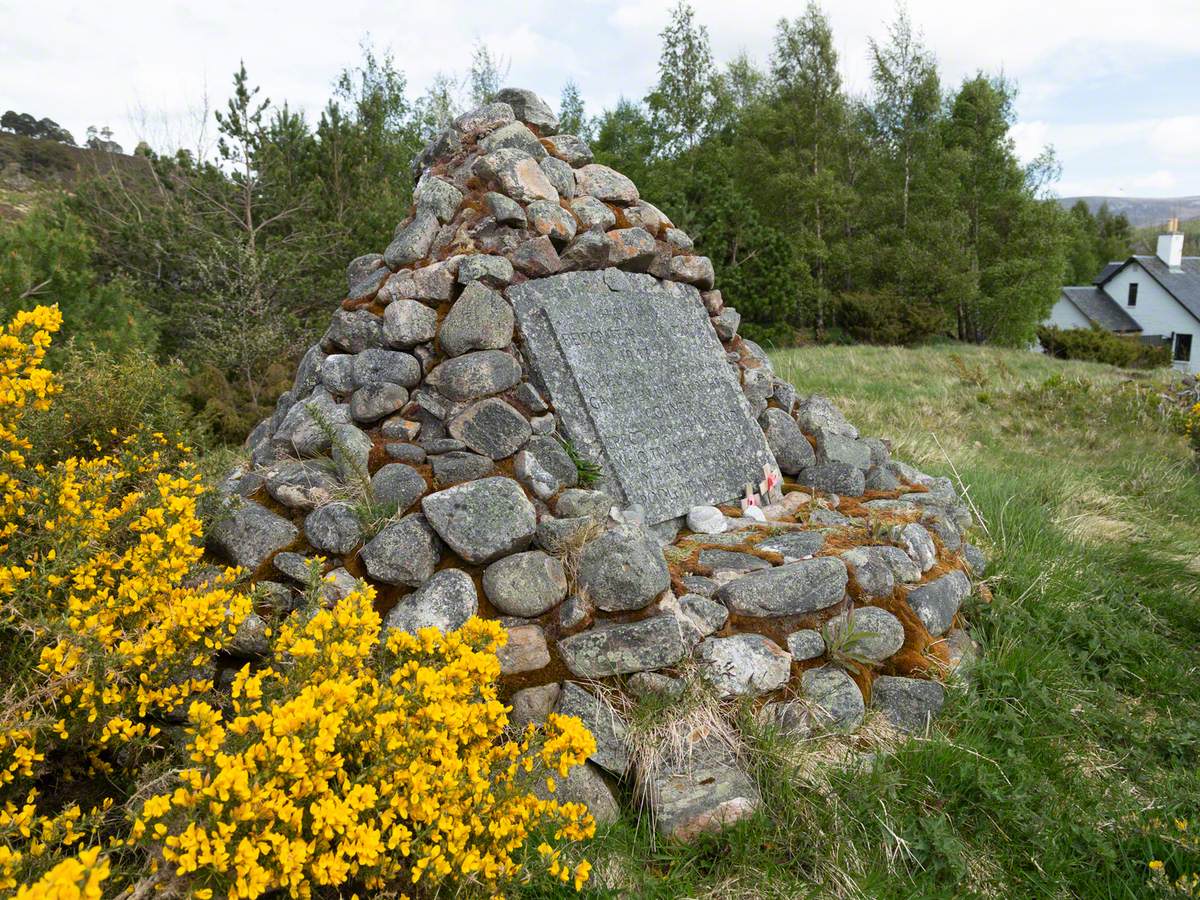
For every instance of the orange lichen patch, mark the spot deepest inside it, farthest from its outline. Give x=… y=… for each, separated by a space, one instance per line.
x=811 y=440
x=619 y=212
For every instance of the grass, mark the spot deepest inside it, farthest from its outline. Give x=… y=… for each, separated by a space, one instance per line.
x=1076 y=733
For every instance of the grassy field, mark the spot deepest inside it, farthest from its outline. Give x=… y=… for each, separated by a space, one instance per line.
x=1066 y=753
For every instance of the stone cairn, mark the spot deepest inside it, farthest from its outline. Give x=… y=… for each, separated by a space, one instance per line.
x=534 y=406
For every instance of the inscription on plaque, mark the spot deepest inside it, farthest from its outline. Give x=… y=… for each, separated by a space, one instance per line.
x=642 y=386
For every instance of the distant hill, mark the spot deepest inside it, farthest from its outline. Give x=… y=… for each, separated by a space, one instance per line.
x=1143 y=211
x=31 y=167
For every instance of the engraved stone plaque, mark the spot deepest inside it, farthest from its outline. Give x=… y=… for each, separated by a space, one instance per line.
x=642 y=387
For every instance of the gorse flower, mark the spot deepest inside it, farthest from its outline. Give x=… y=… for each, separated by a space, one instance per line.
x=350 y=762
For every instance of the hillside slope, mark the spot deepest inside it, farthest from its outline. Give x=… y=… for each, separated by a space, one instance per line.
x=30 y=168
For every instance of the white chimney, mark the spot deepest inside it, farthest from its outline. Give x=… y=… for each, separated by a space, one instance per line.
x=1170 y=249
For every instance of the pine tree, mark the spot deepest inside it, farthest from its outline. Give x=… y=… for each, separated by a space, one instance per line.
x=683 y=105
x=572 y=118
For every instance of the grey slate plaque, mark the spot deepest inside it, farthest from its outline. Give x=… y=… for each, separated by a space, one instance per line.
x=641 y=384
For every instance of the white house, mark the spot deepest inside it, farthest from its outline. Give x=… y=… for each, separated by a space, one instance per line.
x=1156 y=298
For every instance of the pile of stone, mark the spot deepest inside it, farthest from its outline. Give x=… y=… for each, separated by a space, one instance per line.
x=535 y=406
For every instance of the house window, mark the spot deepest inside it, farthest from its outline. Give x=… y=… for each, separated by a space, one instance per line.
x=1183 y=347
x=1132 y=300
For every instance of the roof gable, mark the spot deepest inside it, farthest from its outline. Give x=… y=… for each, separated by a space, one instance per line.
x=1100 y=308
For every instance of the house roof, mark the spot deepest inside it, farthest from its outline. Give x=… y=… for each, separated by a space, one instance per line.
x=1181 y=282
x=1100 y=308
x=1109 y=269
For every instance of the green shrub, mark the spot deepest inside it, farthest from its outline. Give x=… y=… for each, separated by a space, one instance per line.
x=886 y=317
x=106 y=394
x=1097 y=345
x=47 y=256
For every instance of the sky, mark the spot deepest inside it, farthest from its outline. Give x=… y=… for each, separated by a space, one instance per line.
x=1112 y=87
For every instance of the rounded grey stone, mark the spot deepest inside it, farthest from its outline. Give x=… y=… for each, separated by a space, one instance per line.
x=528 y=107
x=625 y=647
x=445 y=601
x=412 y=239
x=909 y=703
x=514 y=135
x=791 y=449
x=553 y=457
x=833 y=447
x=460 y=465
x=388 y=366
x=731 y=561
x=834 y=478
x=623 y=569
x=592 y=214
x=505 y=210
x=480 y=319
x=397 y=486
x=533 y=704
x=743 y=665
x=525 y=651
x=937 y=601
x=871 y=572
x=354 y=331
x=333 y=528
x=883 y=634
x=407 y=323
x=300 y=485
x=707 y=615
x=794 y=545
x=438 y=196
x=560 y=175
x=374 y=401
x=482 y=520
x=337 y=372
x=570 y=149
x=525 y=584
x=605 y=184
x=578 y=502
x=494 y=271
x=551 y=220
x=805 y=644
x=587 y=785
x=491 y=427
x=475 y=375
x=836 y=694
x=793 y=589
x=250 y=534
x=404 y=552
x=607 y=726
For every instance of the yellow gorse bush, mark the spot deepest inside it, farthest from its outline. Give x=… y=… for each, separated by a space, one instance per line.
x=348 y=762
x=381 y=763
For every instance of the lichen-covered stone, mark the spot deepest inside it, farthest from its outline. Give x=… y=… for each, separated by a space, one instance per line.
x=743 y=665
x=482 y=520
x=605 y=184
x=518 y=174
x=528 y=107
x=407 y=323
x=525 y=584
x=623 y=569
x=525 y=651
x=805 y=644
x=793 y=589
x=445 y=601
x=880 y=633
x=836 y=695
x=909 y=703
x=491 y=427
x=607 y=726
x=333 y=528
x=404 y=552
x=474 y=375
x=397 y=486
x=377 y=366
x=412 y=240
x=623 y=648
x=249 y=534
x=480 y=319
x=936 y=602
